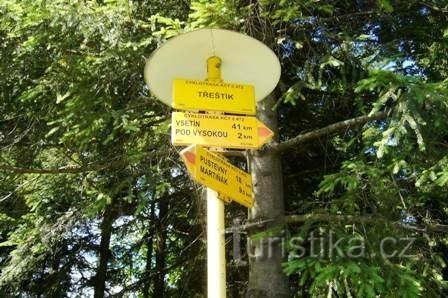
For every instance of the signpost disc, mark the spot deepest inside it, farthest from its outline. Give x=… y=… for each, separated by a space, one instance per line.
x=245 y=60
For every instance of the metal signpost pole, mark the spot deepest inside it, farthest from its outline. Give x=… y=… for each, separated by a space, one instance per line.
x=216 y=254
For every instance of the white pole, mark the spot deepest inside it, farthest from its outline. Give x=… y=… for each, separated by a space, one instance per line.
x=216 y=252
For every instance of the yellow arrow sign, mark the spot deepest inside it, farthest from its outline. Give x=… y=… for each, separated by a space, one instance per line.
x=226 y=131
x=213 y=96
x=217 y=173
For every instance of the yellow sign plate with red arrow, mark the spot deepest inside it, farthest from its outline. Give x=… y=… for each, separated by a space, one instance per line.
x=213 y=96
x=240 y=132
x=217 y=173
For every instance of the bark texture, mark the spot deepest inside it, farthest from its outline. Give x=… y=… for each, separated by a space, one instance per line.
x=149 y=251
x=266 y=277
x=159 y=279
x=104 y=252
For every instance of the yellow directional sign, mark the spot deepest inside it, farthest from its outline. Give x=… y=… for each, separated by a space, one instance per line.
x=217 y=173
x=226 y=131
x=213 y=96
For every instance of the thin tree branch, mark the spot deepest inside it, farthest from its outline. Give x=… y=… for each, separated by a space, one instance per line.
x=335 y=18
x=62 y=170
x=234 y=153
x=363 y=219
x=301 y=218
x=345 y=219
x=332 y=128
x=92 y=167
x=349 y=16
x=17 y=188
x=435 y=8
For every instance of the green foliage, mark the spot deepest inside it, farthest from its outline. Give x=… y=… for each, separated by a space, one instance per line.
x=385 y=5
x=413 y=99
x=388 y=171
x=345 y=277
x=73 y=96
x=349 y=261
x=226 y=14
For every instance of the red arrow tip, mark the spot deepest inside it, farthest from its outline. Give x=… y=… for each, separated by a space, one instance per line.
x=264 y=132
x=190 y=156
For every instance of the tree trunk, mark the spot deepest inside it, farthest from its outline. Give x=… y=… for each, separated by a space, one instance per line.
x=266 y=277
x=104 y=253
x=159 y=281
x=149 y=243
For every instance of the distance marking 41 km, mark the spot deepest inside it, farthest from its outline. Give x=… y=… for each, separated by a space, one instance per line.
x=238 y=132
x=217 y=173
x=213 y=96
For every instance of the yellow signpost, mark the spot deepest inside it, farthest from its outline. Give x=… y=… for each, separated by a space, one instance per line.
x=213 y=96
x=181 y=57
x=228 y=131
x=217 y=173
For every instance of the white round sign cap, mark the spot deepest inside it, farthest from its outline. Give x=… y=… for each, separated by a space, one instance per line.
x=245 y=60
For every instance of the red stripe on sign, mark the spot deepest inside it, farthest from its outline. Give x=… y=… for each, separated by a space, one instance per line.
x=263 y=132
x=190 y=156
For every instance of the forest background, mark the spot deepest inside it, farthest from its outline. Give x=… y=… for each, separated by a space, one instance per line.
x=94 y=200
